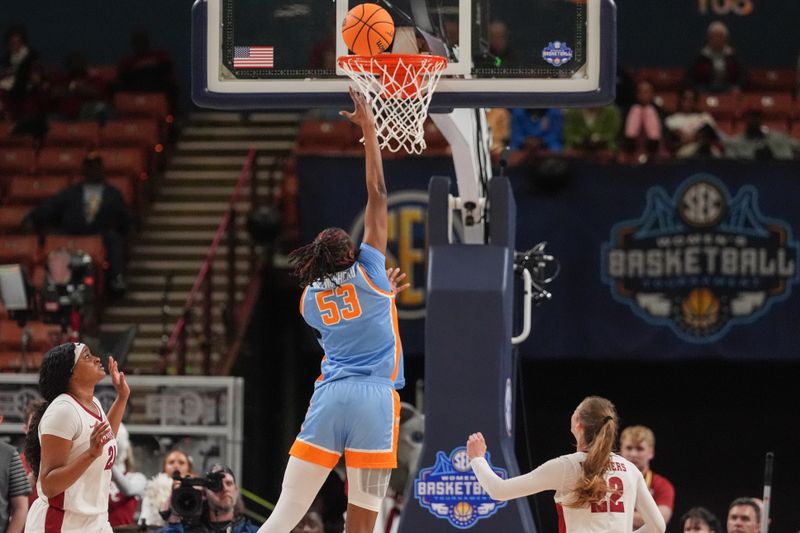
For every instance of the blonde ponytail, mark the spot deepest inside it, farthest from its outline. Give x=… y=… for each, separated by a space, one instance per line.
x=599 y=419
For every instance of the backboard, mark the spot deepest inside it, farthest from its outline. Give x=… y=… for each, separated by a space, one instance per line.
x=260 y=54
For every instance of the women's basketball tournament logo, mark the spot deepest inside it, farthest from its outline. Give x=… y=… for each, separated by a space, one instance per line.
x=450 y=490
x=701 y=261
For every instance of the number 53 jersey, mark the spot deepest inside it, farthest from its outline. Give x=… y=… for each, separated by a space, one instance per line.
x=355 y=317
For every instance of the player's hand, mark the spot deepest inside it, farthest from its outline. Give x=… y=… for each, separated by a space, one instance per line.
x=396 y=277
x=476 y=446
x=118 y=380
x=101 y=433
x=362 y=114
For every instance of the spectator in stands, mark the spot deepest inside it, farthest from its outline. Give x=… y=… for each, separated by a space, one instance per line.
x=500 y=54
x=311 y=523
x=92 y=207
x=14 y=489
x=159 y=487
x=534 y=131
x=638 y=445
x=499 y=120
x=16 y=63
x=625 y=89
x=717 y=69
x=147 y=69
x=127 y=486
x=744 y=516
x=700 y=520
x=32 y=105
x=759 y=143
x=692 y=132
x=592 y=132
x=221 y=511
x=643 y=131
x=80 y=96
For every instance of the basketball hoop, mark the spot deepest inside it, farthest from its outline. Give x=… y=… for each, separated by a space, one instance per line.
x=399 y=87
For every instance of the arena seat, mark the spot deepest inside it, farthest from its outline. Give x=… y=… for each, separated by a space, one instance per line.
x=772 y=79
x=11 y=218
x=774 y=105
x=81 y=134
x=43 y=336
x=128 y=161
x=33 y=189
x=8 y=139
x=23 y=249
x=91 y=244
x=141 y=132
x=61 y=160
x=721 y=106
x=668 y=101
x=663 y=78
x=141 y=105
x=325 y=137
x=17 y=160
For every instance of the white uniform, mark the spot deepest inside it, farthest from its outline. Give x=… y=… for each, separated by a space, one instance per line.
x=613 y=515
x=83 y=507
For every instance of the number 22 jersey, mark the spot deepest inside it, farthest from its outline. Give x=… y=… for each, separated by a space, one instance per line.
x=355 y=316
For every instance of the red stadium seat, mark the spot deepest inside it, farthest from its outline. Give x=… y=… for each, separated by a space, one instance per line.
x=794 y=131
x=8 y=139
x=11 y=218
x=129 y=161
x=773 y=104
x=61 y=160
x=143 y=133
x=34 y=189
x=12 y=361
x=435 y=141
x=105 y=73
x=777 y=125
x=22 y=249
x=82 y=134
x=142 y=105
x=721 y=106
x=17 y=160
x=43 y=336
x=772 y=79
x=668 y=101
x=663 y=78
x=91 y=244
x=326 y=137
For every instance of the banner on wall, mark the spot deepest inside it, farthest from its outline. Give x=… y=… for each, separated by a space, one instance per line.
x=672 y=261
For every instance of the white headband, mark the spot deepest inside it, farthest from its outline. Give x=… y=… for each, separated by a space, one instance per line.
x=78 y=349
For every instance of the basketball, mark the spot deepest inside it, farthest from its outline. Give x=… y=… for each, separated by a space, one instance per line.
x=368 y=30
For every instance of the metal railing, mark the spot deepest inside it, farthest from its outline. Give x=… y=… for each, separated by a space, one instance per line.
x=204 y=282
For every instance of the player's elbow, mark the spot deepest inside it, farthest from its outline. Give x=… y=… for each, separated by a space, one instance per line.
x=497 y=493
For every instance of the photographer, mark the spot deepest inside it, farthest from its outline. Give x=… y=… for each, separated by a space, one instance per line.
x=207 y=505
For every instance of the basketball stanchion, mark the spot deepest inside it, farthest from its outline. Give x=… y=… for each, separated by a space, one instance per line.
x=770 y=458
x=399 y=87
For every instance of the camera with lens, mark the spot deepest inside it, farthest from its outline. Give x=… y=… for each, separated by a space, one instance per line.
x=187 y=500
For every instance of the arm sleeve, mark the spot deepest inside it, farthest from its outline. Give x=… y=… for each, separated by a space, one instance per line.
x=61 y=420
x=17 y=480
x=374 y=264
x=548 y=476
x=653 y=520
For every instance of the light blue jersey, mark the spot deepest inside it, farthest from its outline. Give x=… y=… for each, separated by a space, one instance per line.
x=356 y=318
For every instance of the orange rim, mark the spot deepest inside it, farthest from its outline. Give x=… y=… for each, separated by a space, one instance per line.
x=412 y=61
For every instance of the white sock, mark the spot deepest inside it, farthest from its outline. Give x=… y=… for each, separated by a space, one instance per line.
x=301 y=483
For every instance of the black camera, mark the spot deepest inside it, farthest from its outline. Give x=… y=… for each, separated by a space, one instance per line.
x=187 y=500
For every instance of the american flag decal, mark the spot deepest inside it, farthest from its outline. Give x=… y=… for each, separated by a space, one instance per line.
x=253 y=57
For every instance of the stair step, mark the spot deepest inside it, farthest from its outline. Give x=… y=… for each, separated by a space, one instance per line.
x=221 y=175
x=198 y=207
x=182 y=281
x=238 y=146
x=175 y=252
x=252 y=132
x=183 y=160
x=136 y=266
x=175 y=297
x=216 y=116
x=149 y=330
x=154 y=236
x=222 y=192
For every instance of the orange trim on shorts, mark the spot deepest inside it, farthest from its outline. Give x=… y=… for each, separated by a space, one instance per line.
x=373 y=286
x=314 y=454
x=398 y=346
x=359 y=459
x=302 y=299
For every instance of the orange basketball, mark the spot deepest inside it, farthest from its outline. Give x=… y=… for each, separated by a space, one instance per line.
x=368 y=30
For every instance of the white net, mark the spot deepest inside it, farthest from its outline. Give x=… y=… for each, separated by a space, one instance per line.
x=399 y=87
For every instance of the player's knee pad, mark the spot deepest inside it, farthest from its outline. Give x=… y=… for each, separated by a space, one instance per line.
x=366 y=487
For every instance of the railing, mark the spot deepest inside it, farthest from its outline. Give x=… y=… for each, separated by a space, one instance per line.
x=204 y=282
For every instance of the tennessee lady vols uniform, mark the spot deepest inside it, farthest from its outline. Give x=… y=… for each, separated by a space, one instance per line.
x=82 y=507
x=612 y=515
x=355 y=408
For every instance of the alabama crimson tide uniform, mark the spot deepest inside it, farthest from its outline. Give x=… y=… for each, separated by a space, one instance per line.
x=83 y=506
x=612 y=515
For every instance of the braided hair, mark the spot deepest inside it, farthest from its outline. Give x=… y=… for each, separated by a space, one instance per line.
x=54 y=376
x=332 y=251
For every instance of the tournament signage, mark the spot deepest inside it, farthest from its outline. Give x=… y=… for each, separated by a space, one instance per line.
x=450 y=490
x=701 y=260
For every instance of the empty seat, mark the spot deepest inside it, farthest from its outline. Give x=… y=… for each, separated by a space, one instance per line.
x=143 y=133
x=8 y=139
x=772 y=104
x=34 y=189
x=129 y=161
x=61 y=160
x=141 y=105
x=329 y=137
x=82 y=134
x=43 y=336
x=772 y=79
x=105 y=73
x=17 y=160
x=123 y=183
x=11 y=218
x=663 y=78
x=721 y=106
x=12 y=361
x=23 y=249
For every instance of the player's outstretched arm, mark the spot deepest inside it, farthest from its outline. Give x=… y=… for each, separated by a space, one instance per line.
x=548 y=476
x=647 y=508
x=375 y=215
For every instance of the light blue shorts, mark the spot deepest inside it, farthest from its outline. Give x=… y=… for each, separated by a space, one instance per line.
x=357 y=416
